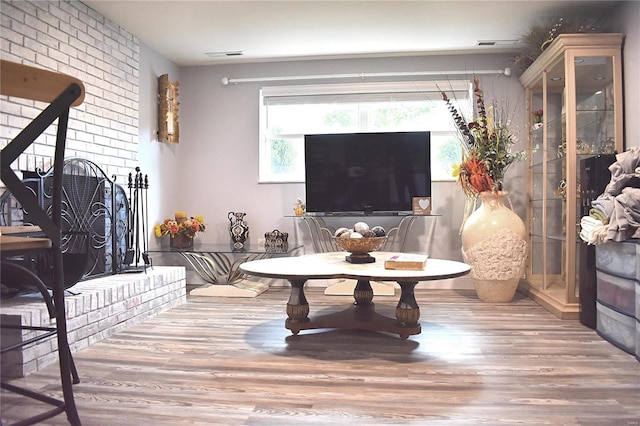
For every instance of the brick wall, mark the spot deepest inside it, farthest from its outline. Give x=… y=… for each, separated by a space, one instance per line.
x=68 y=37
x=97 y=309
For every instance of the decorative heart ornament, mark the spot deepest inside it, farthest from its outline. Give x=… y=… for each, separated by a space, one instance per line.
x=424 y=203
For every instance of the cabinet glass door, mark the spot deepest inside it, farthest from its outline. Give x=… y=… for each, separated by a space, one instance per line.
x=555 y=192
x=595 y=131
x=536 y=173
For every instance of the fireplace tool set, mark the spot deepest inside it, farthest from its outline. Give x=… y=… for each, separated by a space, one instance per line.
x=137 y=230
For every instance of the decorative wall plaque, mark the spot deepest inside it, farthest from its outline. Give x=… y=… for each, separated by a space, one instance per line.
x=421 y=206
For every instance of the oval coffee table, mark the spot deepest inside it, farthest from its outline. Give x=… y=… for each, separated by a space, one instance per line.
x=360 y=315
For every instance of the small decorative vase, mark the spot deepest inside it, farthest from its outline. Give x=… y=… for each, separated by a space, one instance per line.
x=181 y=241
x=276 y=241
x=494 y=244
x=299 y=207
x=238 y=229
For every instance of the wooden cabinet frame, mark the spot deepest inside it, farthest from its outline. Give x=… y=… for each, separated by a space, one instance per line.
x=565 y=82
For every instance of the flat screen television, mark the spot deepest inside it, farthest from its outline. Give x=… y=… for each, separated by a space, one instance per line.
x=366 y=173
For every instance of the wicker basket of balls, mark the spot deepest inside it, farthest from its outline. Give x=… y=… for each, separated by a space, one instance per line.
x=359 y=241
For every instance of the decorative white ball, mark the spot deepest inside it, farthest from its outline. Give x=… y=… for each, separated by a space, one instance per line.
x=355 y=235
x=360 y=227
x=340 y=231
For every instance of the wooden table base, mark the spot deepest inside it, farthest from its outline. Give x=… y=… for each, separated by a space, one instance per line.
x=361 y=315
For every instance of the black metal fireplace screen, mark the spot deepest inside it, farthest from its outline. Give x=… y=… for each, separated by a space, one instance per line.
x=95 y=214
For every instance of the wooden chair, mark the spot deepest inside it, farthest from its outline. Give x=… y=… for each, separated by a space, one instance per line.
x=61 y=92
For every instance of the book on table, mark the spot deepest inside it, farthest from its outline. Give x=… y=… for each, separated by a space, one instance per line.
x=409 y=261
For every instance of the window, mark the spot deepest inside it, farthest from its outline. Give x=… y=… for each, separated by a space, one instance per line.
x=287 y=113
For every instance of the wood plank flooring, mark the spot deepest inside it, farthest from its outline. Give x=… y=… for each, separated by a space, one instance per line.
x=217 y=361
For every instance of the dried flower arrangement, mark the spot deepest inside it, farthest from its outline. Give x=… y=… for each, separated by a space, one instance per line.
x=182 y=226
x=586 y=19
x=486 y=143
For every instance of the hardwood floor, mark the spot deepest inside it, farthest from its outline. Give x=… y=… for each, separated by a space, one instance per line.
x=216 y=361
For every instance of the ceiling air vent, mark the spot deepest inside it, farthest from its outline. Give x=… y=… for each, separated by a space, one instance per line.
x=224 y=54
x=496 y=42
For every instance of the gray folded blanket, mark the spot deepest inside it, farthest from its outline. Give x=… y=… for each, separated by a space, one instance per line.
x=620 y=201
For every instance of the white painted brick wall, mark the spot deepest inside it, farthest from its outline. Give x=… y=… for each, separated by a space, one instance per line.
x=66 y=36
x=99 y=308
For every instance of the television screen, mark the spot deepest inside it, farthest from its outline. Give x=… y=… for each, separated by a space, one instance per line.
x=366 y=172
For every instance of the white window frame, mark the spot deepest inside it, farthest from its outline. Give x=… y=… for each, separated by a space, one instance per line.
x=429 y=89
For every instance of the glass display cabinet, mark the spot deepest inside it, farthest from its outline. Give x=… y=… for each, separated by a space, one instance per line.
x=574 y=108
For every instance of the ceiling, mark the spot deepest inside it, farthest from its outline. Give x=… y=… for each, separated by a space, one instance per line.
x=184 y=31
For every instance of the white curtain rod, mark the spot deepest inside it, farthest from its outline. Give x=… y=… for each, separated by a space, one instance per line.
x=226 y=81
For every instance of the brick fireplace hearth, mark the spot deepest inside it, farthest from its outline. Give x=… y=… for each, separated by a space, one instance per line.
x=96 y=309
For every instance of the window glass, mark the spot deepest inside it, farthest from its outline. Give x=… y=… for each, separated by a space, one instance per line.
x=288 y=113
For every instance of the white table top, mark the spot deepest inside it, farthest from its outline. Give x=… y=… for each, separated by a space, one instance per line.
x=333 y=265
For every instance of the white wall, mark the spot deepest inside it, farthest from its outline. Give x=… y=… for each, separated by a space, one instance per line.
x=628 y=15
x=157 y=160
x=219 y=130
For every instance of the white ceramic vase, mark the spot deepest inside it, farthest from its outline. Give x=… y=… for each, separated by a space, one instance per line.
x=494 y=244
